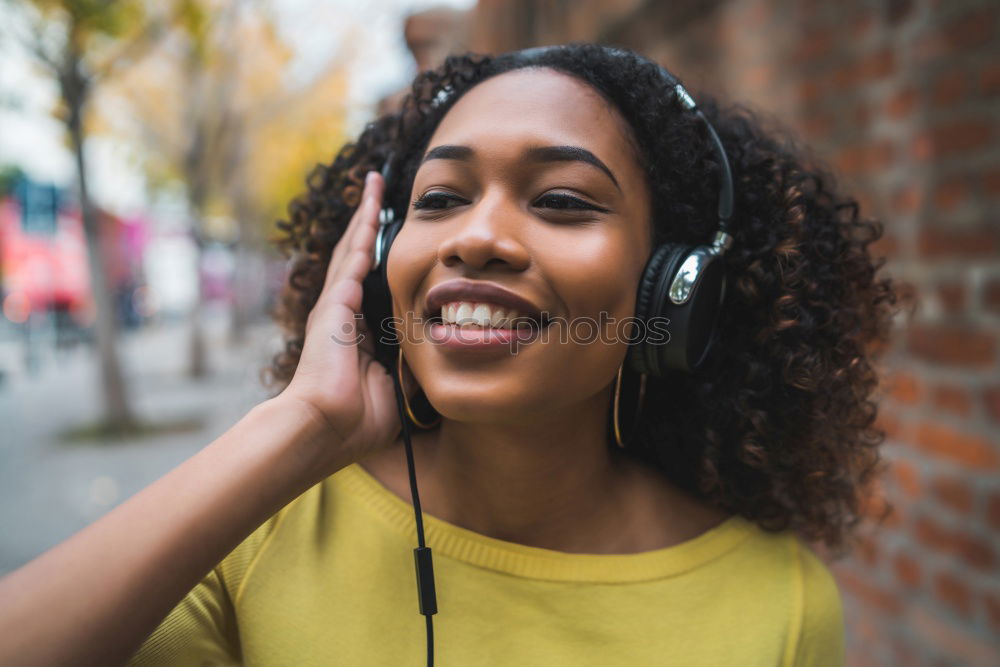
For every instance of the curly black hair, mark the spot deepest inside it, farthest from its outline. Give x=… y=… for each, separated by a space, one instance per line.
x=779 y=424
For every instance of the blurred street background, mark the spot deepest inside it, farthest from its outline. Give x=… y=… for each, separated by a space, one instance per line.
x=147 y=149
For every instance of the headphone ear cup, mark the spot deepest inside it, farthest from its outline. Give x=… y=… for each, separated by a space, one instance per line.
x=701 y=313
x=638 y=354
x=376 y=303
x=693 y=322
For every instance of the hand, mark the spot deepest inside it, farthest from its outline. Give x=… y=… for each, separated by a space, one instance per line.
x=337 y=377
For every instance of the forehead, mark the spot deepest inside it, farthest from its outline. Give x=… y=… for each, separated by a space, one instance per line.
x=537 y=106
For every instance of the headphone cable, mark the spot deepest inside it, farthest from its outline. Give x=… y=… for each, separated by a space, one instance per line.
x=422 y=554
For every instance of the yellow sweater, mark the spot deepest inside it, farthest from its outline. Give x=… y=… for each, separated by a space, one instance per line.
x=329 y=580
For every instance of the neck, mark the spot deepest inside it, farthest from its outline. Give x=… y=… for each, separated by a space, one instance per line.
x=551 y=482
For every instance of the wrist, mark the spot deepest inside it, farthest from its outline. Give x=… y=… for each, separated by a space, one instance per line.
x=304 y=437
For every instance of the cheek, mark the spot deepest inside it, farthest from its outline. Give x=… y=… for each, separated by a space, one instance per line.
x=593 y=275
x=409 y=261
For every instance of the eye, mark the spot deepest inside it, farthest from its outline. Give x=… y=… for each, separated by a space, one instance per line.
x=435 y=201
x=567 y=203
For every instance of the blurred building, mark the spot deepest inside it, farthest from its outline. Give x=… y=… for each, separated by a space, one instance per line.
x=43 y=258
x=902 y=98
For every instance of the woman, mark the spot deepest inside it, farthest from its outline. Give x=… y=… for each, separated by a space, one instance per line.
x=553 y=545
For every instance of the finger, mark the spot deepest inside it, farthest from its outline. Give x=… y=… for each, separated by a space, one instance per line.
x=364 y=233
x=354 y=268
x=340 y=249
x=367 y=212
x=345 y=286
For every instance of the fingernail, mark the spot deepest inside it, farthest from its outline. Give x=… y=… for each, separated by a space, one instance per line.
x=368 y=179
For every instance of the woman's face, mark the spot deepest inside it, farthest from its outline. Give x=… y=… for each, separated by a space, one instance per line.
x=567 y=228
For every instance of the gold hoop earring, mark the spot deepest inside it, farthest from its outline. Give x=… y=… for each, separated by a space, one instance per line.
x=638 y=407
x=406 y=403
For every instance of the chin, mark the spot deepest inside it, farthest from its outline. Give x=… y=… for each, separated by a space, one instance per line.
x=482 y=407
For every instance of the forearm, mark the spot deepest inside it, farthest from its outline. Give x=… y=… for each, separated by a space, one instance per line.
x=93 y=598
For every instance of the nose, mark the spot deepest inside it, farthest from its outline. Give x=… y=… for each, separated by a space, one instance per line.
x=487 y=234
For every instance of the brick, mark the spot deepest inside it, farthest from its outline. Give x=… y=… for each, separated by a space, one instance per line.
x=759 y=76
x=903 y=653
x=991 y=295
x=935 y=241
x=953 y=493
x=906 y=570
x=868 y=551
x=971 y=29
x=907 y=477
x=901 y=103
x=922 y=147
x=818 y=124
x=993 y=511
x=948 y=195
x=872 y=595
x=875 y=506
x=952 y=398
x=953 y=592
x=953 y=345
x=814 y=45
x=862 y=26
x=868 y=156
x=961 y=645
x=952 y=296
x=991 y=181
x=989 y=78
x=893 y=516
x=991 y=402
x=891 y=424
x=877 y=65
x=905 y=387
x=949 y=88
x=810 y=90
x=886 y=246
x=929 y=46
x=946 y=443
x=861 y=115
x=898 y=11
x=971 y=550
x=953 y=137
x=907 y=200
x=991 y=603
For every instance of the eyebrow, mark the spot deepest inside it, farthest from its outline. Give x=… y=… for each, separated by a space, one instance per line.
x=535 y=154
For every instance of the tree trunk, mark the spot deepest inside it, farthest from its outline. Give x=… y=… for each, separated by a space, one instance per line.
x=239 y=310
x=248 y=276
x=117 y=409
x=197 y=352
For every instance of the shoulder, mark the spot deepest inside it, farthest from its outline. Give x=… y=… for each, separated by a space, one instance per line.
x=793 y=591
x=820 y=639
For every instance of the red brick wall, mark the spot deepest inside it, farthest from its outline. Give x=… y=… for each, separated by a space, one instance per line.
x=903 y=98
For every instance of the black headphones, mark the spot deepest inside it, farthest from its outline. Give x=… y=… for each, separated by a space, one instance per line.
x=682 y=288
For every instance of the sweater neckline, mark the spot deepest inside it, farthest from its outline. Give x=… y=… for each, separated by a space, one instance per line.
x=519 y=560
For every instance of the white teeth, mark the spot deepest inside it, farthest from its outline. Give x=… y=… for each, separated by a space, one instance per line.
x=481 y=315
x=478 y=314
x=497 y=317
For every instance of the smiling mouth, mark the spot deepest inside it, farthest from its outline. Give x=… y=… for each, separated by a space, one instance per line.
x=481 y=315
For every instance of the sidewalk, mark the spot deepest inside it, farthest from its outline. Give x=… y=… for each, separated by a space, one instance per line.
x=51 y=489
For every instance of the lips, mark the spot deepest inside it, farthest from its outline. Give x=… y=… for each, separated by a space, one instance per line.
x=482 y=292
